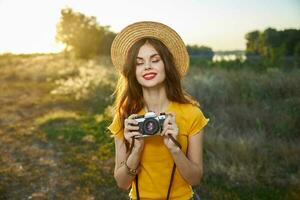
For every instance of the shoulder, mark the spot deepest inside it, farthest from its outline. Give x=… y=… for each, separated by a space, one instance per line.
x=189 y=108
x=116 y=127
x=192 y=117
x=187 y=112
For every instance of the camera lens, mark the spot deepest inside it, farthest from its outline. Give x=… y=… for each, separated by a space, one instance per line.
x=150 y=126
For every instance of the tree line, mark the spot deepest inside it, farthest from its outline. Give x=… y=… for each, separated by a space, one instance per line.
x=85 y=38
x=273 y=44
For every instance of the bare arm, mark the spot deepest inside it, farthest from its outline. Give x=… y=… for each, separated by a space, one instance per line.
x=121 y=172
x=123 y=161
x=190 y=166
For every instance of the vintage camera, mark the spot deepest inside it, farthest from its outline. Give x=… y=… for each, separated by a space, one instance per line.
x=150 y=124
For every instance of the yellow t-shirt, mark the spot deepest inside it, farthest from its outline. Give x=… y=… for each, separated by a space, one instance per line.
x=156 y=161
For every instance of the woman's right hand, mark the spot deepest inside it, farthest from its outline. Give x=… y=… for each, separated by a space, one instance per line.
x=131 y=130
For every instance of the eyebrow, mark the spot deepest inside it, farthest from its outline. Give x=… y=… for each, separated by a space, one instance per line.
x=156 y=54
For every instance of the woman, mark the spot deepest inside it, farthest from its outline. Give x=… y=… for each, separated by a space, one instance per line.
x=152 y=60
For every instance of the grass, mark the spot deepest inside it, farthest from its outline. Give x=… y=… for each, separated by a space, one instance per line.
x=60 y=141
x=252 y=141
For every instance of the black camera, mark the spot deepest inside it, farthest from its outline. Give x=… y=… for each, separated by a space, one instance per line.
x=150 y=124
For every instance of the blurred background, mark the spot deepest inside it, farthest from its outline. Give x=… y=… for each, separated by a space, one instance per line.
x=57 y=80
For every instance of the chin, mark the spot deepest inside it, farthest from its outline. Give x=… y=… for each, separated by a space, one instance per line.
x=152 y=85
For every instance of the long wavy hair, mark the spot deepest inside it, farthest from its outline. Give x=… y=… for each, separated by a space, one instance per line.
x=128 y=92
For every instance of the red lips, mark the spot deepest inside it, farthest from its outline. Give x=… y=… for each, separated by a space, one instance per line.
x=149 y=76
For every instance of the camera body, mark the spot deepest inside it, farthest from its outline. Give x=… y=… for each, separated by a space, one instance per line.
x=150 y=124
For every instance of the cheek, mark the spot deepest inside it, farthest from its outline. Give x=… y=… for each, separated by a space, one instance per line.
x=162 y=71
x=138 y=74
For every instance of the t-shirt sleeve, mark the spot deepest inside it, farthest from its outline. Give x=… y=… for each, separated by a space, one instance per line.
x=198 y=121
x=115 y=128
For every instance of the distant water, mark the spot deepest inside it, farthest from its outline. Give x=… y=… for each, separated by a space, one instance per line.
x=228 y=57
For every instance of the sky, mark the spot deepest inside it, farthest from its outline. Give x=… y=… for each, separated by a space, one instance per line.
x=30 y=26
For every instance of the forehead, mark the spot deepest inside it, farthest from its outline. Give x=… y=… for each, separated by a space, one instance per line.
x=146 y=50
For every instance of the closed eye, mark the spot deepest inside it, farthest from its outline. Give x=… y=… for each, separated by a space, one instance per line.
x=139 y=61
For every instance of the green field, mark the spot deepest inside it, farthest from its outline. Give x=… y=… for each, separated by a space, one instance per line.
x=54 y=144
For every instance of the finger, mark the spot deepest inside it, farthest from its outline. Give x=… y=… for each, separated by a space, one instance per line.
x=172 y=117
x=132 y=116
x=166 y=128
x=173 y=138
x=132 y=134
x=135 y=133
x=130 y=122
x=171 y=127
x=173 y=114
x=138 y=136
x=166 y=122
x=172 y=133
x=132 y=128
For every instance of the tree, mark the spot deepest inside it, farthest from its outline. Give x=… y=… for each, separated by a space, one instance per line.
x=106 y=42
x=252 y=45
x=82 y=35
x=272 y=44
x=291 y=38
x=297 y=50
x=200 y=51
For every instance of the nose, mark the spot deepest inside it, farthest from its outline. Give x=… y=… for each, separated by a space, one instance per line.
x=148 y=66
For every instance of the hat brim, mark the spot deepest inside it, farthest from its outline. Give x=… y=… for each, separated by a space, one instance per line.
x=134 y=32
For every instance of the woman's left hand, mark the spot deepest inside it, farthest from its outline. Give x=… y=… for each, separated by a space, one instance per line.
x=170 y=128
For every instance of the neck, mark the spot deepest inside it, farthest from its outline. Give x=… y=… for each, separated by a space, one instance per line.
x=155 y=100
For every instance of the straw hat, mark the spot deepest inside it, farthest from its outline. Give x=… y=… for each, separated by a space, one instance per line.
x=134 y=32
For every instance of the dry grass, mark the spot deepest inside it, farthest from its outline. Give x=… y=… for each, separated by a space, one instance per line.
x=253 y=139
x=54 y=145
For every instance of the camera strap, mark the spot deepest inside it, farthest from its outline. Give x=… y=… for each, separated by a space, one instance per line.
x=171 y=179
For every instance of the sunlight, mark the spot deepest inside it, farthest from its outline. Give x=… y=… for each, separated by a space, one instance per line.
x=30 y=26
